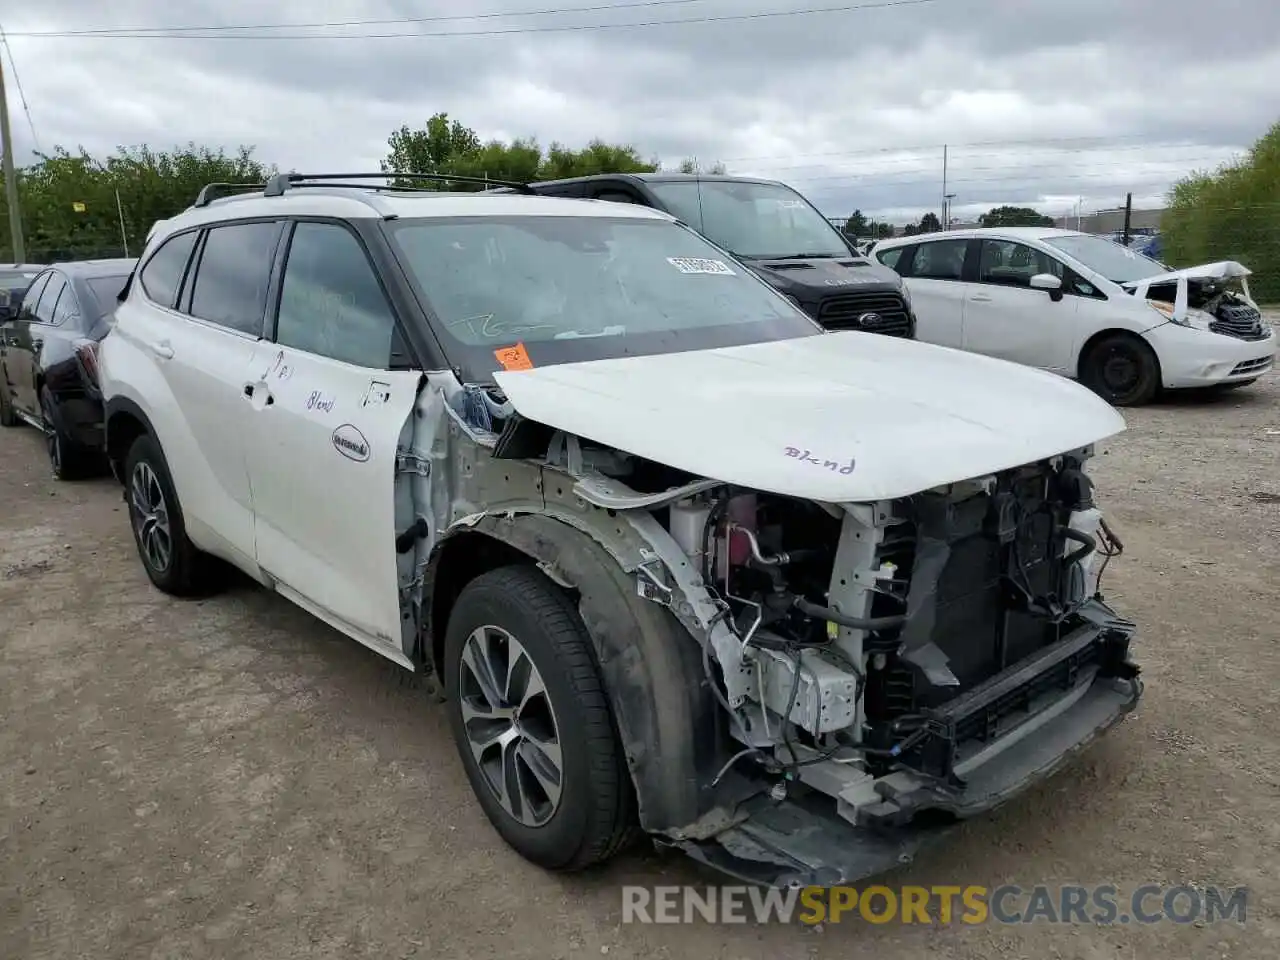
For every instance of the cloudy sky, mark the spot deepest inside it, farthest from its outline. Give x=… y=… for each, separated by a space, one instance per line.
x=1052 y=103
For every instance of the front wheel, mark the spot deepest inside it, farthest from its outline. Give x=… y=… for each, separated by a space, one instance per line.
x=532 y=723
x=8 y=418
x=1122 y=369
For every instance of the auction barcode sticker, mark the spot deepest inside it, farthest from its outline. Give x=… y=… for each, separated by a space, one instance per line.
x=700 y=265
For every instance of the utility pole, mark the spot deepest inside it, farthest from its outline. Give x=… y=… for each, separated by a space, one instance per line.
x=10 y=176
x=946 y=225
x=1128 y=216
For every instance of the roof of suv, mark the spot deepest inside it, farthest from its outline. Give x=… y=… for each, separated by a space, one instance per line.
x=963 y=233
x=660 y=177
x=371 y=203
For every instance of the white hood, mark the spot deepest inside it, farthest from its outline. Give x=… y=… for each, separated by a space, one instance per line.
x=1218 y=271
x=836 y=417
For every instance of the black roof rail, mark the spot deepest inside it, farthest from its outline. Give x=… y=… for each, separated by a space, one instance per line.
x=211 y=191
x=282 y=182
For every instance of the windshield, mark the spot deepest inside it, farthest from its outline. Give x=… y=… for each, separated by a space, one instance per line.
x=512 y=292
x=1117 y=263
x=760 y=220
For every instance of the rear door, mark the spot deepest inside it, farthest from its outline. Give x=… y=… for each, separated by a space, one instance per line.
x=33 y=327
x=329 y=400
x=203 y=344
x=934 y=274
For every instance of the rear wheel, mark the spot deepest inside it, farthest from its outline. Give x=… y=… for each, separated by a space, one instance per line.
x=172 y=562
x=1122 y=369
x=532 y=723
x=67 y=459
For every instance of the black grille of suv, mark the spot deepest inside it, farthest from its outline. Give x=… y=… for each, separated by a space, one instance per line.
x=872 y=312
x=1239 y=320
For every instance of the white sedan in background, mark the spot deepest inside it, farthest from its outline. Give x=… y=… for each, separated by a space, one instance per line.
x=1085 y=307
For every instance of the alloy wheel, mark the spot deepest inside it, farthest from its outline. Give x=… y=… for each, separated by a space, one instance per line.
x=510 y=725
x=150 y=517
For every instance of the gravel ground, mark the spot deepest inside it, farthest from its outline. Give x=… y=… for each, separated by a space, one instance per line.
x=232 y=779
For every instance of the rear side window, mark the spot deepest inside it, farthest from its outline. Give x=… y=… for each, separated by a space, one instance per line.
x=49 y=299
x=162 y=275
x=940 y=260
x=32 y=296
x=331 y=303
x=66 y=308
x=230 y=287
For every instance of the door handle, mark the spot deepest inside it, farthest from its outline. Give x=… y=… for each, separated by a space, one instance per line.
x=162 y=349
x=36 y=344
x=980 y=298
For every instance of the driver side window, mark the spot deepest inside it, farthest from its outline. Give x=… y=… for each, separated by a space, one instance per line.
x=1007 y=263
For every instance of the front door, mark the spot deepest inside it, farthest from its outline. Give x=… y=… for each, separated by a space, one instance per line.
x=328 y=413
x=1006 y=318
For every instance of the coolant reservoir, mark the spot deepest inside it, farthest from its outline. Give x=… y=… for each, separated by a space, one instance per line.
x=688 y=519
x=1086 y=522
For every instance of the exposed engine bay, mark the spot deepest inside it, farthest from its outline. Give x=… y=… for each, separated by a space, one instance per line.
x=871 y=637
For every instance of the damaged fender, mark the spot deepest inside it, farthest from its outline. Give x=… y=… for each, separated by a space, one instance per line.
x=664 y=712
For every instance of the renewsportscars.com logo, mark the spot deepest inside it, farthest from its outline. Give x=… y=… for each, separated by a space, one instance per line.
x=1103 y=904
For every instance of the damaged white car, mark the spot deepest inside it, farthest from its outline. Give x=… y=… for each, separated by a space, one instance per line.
x=1085 y=307
x=685 y=565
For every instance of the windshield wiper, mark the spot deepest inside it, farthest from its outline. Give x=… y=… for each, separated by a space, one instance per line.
x=809 y=256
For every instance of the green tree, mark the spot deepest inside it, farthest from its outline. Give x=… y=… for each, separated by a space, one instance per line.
x=1232 y=213
x=929 y=223
x=447 y=147
x=690 y=165
x=70 y=206
x=1014 y=217
x=857 y=225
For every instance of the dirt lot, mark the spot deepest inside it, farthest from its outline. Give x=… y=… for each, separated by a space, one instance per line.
x=232 y=779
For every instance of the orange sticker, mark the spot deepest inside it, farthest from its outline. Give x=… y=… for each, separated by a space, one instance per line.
x=514 y=358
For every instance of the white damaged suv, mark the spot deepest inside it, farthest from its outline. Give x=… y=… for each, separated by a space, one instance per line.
x=685 y=565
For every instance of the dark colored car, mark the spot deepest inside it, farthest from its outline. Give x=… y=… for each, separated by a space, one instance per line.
x=778 y=233
x=49 y=359
x=14 y=280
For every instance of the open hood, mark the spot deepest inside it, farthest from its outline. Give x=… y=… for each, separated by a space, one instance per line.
x=840 y=417
x=1182 y=280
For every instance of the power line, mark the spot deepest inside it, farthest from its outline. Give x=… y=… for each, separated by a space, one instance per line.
x=420 y=35
x=938 y=146
x=925 y=159
x=17 y=82
x=112 y=31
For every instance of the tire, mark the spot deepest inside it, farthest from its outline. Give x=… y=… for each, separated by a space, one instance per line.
x=67 y=460
x=7 y=416
x=187 y=572
x=593 y=817
x=1122 y=369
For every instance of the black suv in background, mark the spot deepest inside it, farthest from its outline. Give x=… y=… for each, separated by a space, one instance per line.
x=777 y=232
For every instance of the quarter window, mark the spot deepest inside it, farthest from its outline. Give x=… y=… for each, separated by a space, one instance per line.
x=162 y=275
x=891 y=257
x=66 y=308
x=331 y=303
x=231 y=279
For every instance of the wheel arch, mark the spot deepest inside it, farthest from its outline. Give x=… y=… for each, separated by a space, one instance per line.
x=123 y=421
x=664 y=712
x=1103 y=334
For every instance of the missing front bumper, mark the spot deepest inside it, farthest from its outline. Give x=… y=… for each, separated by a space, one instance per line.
x=805 y=841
